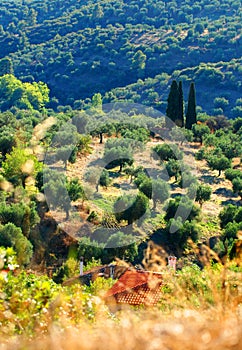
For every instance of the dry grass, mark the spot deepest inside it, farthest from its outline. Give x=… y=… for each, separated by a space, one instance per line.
x=188 y=329
x=199 y=310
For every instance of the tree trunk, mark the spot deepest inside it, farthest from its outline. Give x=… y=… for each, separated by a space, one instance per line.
x=154 y=203
x=67 y=215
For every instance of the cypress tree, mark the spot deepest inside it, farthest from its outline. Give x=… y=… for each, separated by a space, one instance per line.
x=191 y=116
x=180 y=121
x=172 y=103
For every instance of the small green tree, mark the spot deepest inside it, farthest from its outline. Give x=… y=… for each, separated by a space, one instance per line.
x=203 y=194
x=173 y=168
x=200 y=132
x=75 y=190
x=160 y=191
x=227 y=214
x=188 y=210
x=118 y=156
x=97 y=101
x=101 y=130
x=166 y=152
x=232 y=174
x=237 y=186
x=181 y=231
x=55 y=189
x=133 y=171
x=104 y=178
x=219 y=163
x=131 y=208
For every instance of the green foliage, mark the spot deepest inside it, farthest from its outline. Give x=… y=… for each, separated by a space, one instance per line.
x=118 y=153
x=26 y=298
x=112 y=37
x=23 y=215
x=22 y=95
x=237 y=186
x=90 y=249
x=131 y=208
x=228 y=214
x=138 y=134
x=75 y=190
x=181 y=232
x=218 y=162
x=19 y=165
x=166 y=152
x=134 y=172
x=104 y=178
x=237 y=124
x=6 y=66
x=122 y=245
x=203 y=193
x=103 y=129
x=55 y=189
x=173 y=168
x=146 y=187
x=191 y=115
x=230 y=231
x=181 y=135
x=188 y=210
x=84 y=143
x=200 y=132
x=12 y=236
x=97 y=101
x=172 y=110
x=232 y=174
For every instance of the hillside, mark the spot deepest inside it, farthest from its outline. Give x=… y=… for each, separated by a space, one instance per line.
x=91 y=47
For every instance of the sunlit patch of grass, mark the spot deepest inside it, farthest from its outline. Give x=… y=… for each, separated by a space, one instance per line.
x=209 y=226
x=104 y=203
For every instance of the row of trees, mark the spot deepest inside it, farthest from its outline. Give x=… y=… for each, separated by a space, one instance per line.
x=175 y=106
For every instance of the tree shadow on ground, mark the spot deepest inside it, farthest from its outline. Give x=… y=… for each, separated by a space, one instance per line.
x=211 y=179
x=225 y=192
x=238 y=202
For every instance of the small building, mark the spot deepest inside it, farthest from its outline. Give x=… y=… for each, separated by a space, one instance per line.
x=107 y=271
x=135 y=287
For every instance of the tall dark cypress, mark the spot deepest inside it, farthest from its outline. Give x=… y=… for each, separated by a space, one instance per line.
x=191 y=115
x=180 y=119
x=172 y=103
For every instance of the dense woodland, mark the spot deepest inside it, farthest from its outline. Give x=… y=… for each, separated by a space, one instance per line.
x=128 y=181
x=95 y=47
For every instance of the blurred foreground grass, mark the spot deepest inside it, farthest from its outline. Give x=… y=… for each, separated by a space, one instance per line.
x=200 y=309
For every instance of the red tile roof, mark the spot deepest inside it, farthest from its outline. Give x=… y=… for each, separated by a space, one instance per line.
x=136 y=288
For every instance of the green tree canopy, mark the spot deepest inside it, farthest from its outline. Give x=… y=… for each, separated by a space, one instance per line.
x=12 y=236
x=131 y=208
x=20 y=165
x=14 y=92
x=219 y=162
